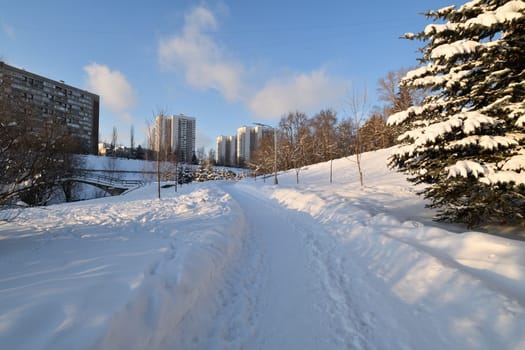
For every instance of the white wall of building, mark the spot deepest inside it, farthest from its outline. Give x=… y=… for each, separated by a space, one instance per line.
x=176 y=132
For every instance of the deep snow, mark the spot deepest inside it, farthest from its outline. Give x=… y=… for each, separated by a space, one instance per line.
x=249 y=265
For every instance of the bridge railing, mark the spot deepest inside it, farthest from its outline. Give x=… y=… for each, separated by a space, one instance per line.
x=107 y=180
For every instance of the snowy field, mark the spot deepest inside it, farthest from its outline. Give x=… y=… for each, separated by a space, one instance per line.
x=248 y=265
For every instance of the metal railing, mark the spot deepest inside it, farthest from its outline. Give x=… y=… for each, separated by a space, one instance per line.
x=106 y=180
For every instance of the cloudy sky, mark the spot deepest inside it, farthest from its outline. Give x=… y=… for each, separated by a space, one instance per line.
x=228 y=63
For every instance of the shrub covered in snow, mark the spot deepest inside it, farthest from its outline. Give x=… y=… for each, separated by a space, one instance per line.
x=209 y=173
x=467 y=139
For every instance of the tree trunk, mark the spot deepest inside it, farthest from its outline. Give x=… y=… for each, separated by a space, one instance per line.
x=358 y=158
x=158 y=174
x=331 y=167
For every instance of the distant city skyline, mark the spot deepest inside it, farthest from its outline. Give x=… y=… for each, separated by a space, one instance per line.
x=229 y=63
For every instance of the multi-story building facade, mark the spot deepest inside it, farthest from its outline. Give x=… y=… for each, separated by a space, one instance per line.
x=248 y=138
x=226 y=153
x=175 y=134
x=53 y=101
x=184 y=136
x=162 y=134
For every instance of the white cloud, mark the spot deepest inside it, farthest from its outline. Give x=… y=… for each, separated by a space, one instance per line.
x=114 y=89
x=207 y=65
x=303 y=92
x=200 y=58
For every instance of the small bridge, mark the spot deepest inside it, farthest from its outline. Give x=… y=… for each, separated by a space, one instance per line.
x=113 y=185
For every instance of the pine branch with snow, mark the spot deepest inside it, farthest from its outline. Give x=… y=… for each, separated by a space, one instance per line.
x=467 y=138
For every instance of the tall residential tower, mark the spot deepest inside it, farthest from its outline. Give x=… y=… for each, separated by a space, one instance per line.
x=175 y=134
x=226 y=153
x=248 y=138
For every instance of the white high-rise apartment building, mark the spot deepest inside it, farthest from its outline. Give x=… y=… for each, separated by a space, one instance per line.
x=248 y=138
x=226 y=153
x=162 y=134
x=176 y=134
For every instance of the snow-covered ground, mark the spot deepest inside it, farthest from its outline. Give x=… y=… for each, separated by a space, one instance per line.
x=249 y=265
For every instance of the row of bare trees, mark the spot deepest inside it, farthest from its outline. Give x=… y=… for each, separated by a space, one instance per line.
x=304 y=140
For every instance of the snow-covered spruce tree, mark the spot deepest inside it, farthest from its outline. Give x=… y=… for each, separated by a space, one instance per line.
x=467 y=138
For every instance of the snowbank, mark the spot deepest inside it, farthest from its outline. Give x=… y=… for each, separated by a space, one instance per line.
x=177 y=292
x=468 y=286
x=111 y=272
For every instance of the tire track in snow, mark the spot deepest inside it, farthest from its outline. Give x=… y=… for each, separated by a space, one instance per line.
x=236 y=320
x=298 y=298
x=350 y=326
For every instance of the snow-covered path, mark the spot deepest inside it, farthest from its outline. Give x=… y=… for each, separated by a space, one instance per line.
x=320 y=273
x=284 y=293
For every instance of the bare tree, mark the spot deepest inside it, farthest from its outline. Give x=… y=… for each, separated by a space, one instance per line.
x=263 y=158
x=131 y=141
x=296 y=140
x=345 y=138
x=34 y=149
x=327 y=133
x=211 y=156
x=114 y=135
x=359 y=109
x=201 y=154
x=155 y=143
x=397 y=97
x=388 y=86
x=150 y=127
x=375 y=134
x=167 y=157
x=324 y=135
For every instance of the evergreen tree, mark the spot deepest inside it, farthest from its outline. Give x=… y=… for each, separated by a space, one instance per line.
x=467 y=139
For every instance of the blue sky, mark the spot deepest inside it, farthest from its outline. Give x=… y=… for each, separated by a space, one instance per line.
x=228 y=63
